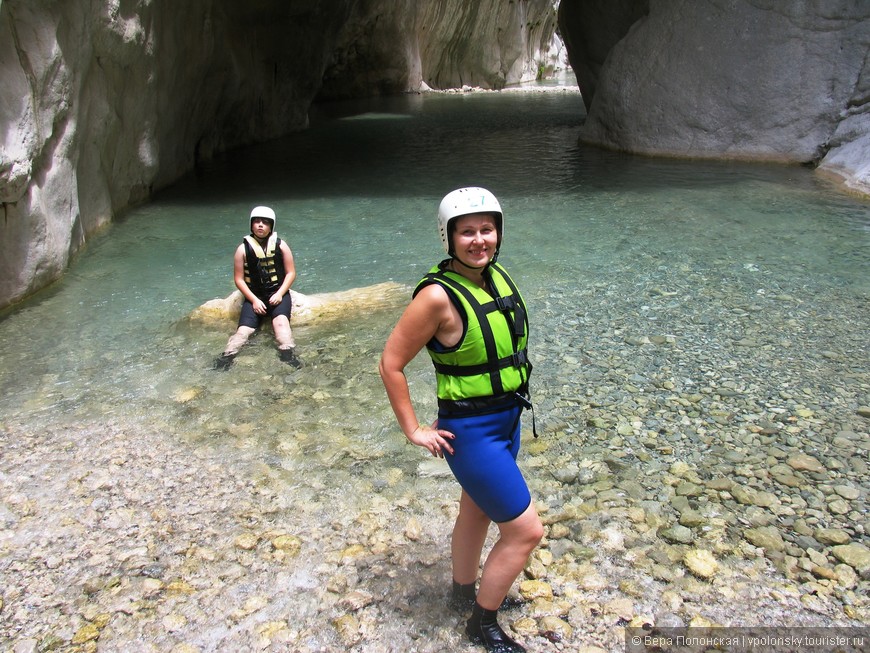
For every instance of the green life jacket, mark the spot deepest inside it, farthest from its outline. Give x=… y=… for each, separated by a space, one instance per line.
x=264 y=267
x=490 y=357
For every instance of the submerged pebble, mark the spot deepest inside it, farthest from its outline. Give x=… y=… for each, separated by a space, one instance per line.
x=706 y=467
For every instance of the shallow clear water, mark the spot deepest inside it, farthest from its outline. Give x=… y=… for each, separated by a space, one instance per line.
x=605 y=247
x=356 y=195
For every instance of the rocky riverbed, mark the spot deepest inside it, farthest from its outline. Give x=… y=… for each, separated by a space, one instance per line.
x=684 y=479
x=123 y=539
x=703 y=454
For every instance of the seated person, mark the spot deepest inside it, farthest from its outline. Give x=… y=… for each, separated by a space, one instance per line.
x=263 y=271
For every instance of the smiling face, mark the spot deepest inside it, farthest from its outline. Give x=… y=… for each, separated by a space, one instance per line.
x=475 y=239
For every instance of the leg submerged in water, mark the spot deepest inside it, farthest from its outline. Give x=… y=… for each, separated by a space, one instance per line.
x=503 y=565
x=223 y=362
x=289 y=356
x=234 y=344
x=483 y=628
x=469 y=535
x=286 y=342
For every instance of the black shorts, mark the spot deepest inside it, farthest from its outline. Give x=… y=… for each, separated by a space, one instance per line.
x=250 y=319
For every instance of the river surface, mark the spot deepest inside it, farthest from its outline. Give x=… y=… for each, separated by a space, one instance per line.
x=681 y=311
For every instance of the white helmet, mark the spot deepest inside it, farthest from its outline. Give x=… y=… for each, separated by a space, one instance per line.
x=465 y=201
x=263 y=212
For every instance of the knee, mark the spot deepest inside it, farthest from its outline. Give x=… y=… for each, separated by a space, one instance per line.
x=531 y=534
x=535 y=534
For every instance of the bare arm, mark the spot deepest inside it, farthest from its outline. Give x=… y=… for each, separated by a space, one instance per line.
x=429 y=314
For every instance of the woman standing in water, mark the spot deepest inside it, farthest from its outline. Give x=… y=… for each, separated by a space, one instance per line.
x=469 y=315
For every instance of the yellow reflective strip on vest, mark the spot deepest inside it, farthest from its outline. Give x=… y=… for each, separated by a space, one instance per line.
x=266 y=257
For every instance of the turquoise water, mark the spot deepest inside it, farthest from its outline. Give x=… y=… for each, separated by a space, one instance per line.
x=587 y=232
x=674 y=305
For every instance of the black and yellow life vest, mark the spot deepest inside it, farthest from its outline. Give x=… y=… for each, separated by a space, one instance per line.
x=264 y=267
x=490 y=358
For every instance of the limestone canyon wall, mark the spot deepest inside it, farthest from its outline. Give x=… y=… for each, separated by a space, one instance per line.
x=105 y=101
x=746 y=79
x=391 y=46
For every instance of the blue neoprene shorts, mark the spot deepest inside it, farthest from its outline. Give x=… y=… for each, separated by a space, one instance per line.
x=484 y=461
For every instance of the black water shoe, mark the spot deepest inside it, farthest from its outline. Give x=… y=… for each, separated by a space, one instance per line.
x=482 y=628
x=289 y=356
x=223 y=362
x=463 y=597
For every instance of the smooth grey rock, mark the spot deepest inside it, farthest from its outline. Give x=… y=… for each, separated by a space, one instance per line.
x=748 y=80
x=677 y=534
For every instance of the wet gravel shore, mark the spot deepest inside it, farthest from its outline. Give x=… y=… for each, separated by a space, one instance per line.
x=665 y=505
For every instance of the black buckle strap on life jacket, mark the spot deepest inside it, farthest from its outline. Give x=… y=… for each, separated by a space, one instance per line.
x=519 y=360
x=507 y=304
x=515 y=294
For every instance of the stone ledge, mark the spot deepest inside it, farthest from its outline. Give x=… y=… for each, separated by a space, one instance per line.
x=309 y=308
